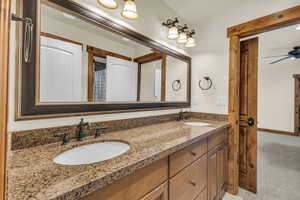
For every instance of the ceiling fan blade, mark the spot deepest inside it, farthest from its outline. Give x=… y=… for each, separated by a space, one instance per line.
x=273 y=56
x=282 y=59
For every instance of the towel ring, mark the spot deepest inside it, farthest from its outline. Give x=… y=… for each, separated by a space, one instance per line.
x=176 y=85
x=210 y=83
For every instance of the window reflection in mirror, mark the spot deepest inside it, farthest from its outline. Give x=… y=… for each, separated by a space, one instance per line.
x=82 y=62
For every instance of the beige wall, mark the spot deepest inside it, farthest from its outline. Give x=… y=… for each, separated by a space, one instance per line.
x=276 y=90
x=211 y=56
x=148 y=24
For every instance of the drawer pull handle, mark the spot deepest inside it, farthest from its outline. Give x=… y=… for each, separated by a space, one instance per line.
x=192 y=183
x=193 y=154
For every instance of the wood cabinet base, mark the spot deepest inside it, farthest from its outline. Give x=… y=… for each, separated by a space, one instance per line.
x=193 y=173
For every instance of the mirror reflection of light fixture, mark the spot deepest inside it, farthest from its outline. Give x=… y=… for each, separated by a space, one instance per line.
x=110 y=4
x=190 y=41
x=173 y=30
x=130 y=11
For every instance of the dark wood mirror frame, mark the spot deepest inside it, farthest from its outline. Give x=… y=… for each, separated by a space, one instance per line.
x=27 y=106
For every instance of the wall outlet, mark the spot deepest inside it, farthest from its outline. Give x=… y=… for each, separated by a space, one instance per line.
x=195 y=100
x=221 y=101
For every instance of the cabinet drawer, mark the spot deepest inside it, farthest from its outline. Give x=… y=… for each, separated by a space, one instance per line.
x=134 y=186
x=188 y=184
x=160 y=193
x=216 y=139
x=186 y=156
x=203 y=195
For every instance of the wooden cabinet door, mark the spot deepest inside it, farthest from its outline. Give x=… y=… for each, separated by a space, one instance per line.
x=221 y=168
x=203 y=195
x=134 y=186
x=212 y=176
x=160 y=193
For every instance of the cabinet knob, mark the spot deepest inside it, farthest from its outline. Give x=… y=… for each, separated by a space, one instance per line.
x=192 y=183
x=193 y=153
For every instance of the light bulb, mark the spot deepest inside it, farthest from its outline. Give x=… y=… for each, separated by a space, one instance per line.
x=182 y=38
x=173 y=33
x=111 y=4
x=130 y=11
x=190 y=43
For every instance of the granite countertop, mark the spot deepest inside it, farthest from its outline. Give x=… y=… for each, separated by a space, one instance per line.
x=33 y=175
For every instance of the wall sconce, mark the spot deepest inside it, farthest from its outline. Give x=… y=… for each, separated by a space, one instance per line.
x=180 y=33
x=130 y=11
x=190 y=41
x=173 y=30
x=110 y=4
x=182 y=39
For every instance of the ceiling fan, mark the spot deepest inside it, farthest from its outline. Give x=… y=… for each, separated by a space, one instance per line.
x=294 y=54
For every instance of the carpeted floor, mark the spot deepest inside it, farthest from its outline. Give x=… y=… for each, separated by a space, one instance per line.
x=278 y=173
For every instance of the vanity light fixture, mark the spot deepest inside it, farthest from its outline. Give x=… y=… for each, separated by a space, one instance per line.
x=190 y=41
x=182 y=39
x=110 y=4
x=173 y=30
x=130 y=11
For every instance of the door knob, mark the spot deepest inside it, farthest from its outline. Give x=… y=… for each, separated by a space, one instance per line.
x=250 y=121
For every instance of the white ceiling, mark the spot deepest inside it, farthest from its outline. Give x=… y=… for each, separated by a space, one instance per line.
x=198 y=11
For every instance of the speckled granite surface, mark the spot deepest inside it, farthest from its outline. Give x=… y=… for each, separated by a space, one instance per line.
x=37 y=137
x=33 y=175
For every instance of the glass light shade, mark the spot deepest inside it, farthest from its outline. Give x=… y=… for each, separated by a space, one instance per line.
x=182 y=38
x=130 y=11
x=173 y=33
x=190 y=43
x=111 y=4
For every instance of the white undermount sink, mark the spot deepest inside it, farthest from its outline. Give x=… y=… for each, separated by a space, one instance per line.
x=199 y=124
x=92 y=153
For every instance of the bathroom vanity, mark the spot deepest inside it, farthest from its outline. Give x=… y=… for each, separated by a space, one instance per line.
x=197 y=172
x=166 y=161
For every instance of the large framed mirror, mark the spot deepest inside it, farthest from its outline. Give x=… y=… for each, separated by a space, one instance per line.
x=82 y=63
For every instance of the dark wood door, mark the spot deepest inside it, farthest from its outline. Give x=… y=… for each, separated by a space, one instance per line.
x=248 y=115
x=297 y=105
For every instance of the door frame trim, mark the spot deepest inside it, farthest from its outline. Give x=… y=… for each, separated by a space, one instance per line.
x=5 y=6
x=266 y=23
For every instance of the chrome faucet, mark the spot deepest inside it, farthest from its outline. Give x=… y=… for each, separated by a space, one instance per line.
x=180 y=116
x=81 y=127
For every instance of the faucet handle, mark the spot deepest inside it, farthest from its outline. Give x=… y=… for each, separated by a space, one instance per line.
x=82 y=123
x=64 y=136
x=99 y=131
